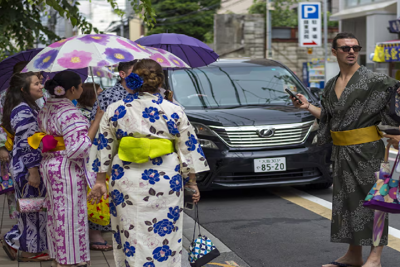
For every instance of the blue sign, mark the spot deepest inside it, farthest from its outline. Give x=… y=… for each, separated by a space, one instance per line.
x=394 y=25
x=310 y=11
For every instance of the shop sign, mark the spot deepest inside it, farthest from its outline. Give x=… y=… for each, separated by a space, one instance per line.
x=394 y=25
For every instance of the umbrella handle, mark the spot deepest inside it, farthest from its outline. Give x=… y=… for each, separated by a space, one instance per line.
x=94 y=86
x=387 y=153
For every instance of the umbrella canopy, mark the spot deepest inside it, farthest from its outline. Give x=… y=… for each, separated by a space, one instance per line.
x=96 y=50
x=102 y=72
x=7 y=65
x=83 y=73
x=191 y=50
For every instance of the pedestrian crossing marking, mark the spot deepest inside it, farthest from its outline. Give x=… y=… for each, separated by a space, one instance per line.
x=290 y=195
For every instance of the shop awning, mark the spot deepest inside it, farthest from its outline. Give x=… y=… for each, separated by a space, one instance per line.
x=388 y=51
x=360 y=11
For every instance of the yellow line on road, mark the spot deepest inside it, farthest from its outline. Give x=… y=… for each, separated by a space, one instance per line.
x=394 y=242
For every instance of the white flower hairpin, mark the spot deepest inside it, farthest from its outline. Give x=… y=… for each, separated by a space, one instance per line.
x=59 y=90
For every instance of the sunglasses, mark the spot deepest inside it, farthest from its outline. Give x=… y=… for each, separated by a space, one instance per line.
x=346 y=49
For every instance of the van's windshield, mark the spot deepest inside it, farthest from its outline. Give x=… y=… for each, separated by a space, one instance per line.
x=233 y=86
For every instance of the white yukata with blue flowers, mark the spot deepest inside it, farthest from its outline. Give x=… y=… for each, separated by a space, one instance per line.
x=146 y=200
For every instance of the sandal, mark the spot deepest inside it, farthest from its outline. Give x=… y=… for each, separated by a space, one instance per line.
x=343 y=264
x=10 y=251
x=35 y=258
x=93 y=244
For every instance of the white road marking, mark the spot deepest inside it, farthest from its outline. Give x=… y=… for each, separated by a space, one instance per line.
x=392 y=231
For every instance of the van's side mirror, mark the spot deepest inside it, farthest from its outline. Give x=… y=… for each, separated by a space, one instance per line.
x=316 y=92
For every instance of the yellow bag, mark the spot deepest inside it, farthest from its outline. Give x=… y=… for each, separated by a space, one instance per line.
x=379 y=55
x=99 y=213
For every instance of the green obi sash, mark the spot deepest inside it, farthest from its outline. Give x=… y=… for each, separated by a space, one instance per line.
x=139 y=150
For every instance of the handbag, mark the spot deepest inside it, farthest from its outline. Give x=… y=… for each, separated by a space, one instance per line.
x=202 y=249
x=30 y=204
x=6 y=183
x=384 y=195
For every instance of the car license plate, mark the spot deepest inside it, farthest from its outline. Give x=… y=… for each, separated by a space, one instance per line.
x=270 y=165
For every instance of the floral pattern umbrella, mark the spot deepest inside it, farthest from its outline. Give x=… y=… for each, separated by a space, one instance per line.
x=101 y=72
x=97 y=50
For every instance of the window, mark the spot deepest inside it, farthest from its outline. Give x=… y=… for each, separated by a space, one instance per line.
x=234 y=86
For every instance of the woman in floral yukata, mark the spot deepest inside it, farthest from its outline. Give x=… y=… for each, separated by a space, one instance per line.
x=19 y=119
x=63 y=169
x=151 y=149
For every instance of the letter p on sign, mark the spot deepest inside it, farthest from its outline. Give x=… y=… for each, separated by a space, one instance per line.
x=310 y=11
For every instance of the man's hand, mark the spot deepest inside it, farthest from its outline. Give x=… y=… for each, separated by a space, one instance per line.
x=4 y=155
x=393 y=140
x=302 y=99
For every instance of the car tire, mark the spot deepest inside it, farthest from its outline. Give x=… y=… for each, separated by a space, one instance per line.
x=320 y=186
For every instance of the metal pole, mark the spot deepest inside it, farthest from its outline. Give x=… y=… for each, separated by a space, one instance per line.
x=398 y=9
x=268 y=25
x=122 y=27
x=94 y=86
x=325 y=3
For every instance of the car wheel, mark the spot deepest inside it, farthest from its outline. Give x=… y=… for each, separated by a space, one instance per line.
x=319 y=186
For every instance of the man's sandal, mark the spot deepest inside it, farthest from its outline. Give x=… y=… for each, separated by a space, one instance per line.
x=343 y=264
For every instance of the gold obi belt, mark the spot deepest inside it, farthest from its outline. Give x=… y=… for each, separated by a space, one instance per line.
x=139 y=150
x=9 y=141
x=50 y=143
x=356 y=136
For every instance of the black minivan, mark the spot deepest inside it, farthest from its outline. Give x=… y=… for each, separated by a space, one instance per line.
x=251 y=134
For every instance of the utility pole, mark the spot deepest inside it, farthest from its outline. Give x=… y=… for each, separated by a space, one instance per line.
x=398 y=9
x=268 y=21
x=325 y=3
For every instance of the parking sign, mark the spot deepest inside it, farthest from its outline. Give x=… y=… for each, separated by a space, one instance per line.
x=310 y=24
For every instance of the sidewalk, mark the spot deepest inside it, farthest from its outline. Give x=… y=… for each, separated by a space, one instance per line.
x=98 y=258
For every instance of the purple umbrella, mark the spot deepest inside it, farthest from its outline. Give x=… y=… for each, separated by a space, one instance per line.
x=194 y=52
x=7 y=65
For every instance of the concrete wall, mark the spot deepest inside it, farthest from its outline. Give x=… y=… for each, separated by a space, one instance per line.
x=237 y=35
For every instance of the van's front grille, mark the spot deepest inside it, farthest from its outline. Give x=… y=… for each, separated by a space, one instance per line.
x=250 y=136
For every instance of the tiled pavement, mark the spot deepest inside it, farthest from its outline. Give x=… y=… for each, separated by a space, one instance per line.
x=98 y=258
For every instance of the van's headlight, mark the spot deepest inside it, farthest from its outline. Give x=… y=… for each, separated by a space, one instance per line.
x=201 y=129
x=314 y=128
x=204 y=143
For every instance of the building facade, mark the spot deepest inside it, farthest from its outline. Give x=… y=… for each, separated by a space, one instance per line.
x=369 y=21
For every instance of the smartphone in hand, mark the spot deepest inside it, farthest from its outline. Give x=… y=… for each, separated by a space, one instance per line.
x=188 y=198
x=293 y=95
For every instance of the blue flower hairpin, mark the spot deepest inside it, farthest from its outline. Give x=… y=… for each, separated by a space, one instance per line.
x=133 y=81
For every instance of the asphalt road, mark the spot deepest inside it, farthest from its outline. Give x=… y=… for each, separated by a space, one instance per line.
x=263 y=228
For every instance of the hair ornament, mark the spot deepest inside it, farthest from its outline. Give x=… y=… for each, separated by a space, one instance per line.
x=134 y=81
x=59 y=90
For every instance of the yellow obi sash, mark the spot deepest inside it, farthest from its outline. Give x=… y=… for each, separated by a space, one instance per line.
x=139 y=150
x=356 y=136
x=9 y=141
x=50 y=143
